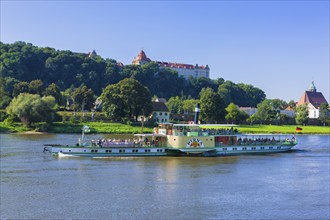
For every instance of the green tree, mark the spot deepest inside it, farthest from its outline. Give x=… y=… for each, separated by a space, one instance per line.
x=36 y=87
x=21 y=87
x=301 y=114
x=279 y=104
x=54 y=90
x=252 y=119
x=233 y=113
x=189 y=105
x=324 y=113
x=83 y=98
x=126 y=99
x=212 y=106
x=241 y=94
x=292 y=104
x=266 y=112
x=175 y=105
x=30 y=108
x=4 y=96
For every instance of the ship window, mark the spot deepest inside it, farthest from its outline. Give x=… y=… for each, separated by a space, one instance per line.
x=69 y=150
x=145 y=150
x=110 y=151
x=270 y=147
x=92 y=151
x=95 y=151
x=278 y=147
x=84 y=150
x=120 y=151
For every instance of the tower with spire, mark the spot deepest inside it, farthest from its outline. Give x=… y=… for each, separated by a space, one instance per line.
x=313 y=99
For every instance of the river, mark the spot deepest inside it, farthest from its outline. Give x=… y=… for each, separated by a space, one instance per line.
x=35 y=185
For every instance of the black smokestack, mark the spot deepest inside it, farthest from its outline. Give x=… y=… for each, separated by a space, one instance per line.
x=197 y=111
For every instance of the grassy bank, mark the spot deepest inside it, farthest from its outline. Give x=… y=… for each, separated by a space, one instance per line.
x=284 y=129
x=97 y=127
x=69 y=127
x=117 y=128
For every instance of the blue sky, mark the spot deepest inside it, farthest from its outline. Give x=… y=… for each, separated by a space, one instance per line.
x=277 y=46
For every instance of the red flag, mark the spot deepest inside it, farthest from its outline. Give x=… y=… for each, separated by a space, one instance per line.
x=298 y=129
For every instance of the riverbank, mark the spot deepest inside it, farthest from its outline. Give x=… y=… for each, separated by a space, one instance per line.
x=117 y=128
x=68 y=127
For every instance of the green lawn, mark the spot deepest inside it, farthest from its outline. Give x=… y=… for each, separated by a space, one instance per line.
x=97 y=127
x=284 y=129
x=117 y=128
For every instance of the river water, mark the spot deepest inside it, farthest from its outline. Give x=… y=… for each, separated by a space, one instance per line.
x=35 y=185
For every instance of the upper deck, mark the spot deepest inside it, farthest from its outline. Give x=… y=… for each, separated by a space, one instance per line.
x=195 y=130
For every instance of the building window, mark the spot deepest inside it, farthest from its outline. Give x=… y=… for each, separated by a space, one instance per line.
x=165 y=113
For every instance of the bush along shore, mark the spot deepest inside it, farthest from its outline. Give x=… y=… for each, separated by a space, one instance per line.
x=118 y=128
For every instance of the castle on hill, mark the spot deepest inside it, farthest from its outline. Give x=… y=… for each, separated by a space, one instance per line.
x=313 y=99
x=184 y=70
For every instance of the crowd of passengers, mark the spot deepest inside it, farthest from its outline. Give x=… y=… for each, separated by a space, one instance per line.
x=254 y=141
x=221 y=131
x=122 y=142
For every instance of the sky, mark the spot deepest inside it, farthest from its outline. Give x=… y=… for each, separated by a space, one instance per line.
x=277 y=46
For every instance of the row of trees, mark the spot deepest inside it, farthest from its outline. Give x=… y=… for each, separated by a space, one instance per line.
x=129 y=99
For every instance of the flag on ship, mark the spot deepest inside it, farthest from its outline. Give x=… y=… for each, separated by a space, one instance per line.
x=86 y=129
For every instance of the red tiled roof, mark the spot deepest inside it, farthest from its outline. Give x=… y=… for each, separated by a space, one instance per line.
x=315 y=98
x=179 y=65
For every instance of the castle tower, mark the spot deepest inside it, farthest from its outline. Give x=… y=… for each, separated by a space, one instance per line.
x=141 y=59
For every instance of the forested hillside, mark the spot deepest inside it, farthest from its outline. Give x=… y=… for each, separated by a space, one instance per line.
x=21 y=63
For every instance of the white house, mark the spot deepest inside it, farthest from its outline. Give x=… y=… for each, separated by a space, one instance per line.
x=160 y=112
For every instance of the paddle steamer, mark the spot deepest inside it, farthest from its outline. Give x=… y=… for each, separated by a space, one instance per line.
x=170 y=139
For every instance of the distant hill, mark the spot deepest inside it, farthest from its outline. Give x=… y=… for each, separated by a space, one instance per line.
x=23 y=61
